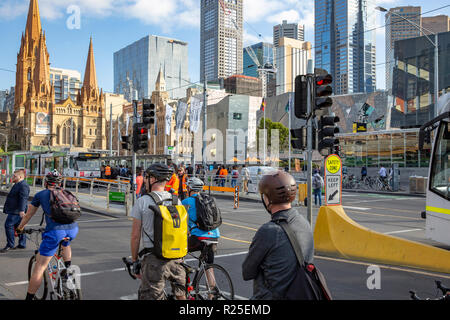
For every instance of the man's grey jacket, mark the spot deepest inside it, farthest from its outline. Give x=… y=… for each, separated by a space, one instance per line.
x=271 y=260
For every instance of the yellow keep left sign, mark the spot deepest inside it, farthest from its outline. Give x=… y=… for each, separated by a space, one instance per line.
x=333 y=164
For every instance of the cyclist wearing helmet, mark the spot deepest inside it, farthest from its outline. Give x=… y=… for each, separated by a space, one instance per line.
x=271 y=261
x=154 y=271
x=54 y=232
x=194 y=187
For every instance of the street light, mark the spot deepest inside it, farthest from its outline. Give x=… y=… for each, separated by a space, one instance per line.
x=436 y=52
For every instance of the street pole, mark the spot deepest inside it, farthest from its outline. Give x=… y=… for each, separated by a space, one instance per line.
x=110 y=130
x=289 y=111
x=309 y=132
x=133 y=153
x=71 y=133
x=436 y=74
x=205 y=118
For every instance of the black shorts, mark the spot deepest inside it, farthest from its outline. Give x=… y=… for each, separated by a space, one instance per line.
x=195 y=244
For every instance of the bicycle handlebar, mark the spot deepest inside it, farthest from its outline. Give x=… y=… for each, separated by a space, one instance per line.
x=128 y=264
x=33 y=230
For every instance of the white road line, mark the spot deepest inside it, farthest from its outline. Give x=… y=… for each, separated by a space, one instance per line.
x=356 y=208
x=402 y=231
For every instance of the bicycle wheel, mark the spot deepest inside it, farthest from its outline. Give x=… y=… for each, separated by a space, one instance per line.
x=223 y=288
x=68 y=293
x=41 y=294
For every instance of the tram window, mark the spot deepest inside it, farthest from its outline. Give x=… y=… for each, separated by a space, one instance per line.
x=20 y=162
x=440 y=169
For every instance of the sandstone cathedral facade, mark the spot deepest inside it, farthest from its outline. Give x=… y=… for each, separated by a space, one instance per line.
x=39 y=122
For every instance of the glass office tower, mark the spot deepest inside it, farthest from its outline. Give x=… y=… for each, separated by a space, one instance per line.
x=136 y=67
x=263 y=52
x=345 y=43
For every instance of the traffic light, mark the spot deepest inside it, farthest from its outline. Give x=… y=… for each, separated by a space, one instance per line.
x=148 y=112
x=322 y=91
x=327 y=130
x=126 y=142
x=298 y=138
x=300 y=103
x=140 y=137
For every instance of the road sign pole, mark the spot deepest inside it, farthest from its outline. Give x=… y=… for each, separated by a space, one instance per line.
x=133 y=153
x=309 y=150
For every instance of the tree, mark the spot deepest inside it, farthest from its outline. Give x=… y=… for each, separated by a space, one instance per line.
x=283 y=133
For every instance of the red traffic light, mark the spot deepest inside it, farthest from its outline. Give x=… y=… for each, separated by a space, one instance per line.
x=143 y=131
x=324 y=80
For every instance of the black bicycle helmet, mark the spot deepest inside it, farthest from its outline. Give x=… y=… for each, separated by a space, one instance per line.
x=53 y=178
x=159 y=171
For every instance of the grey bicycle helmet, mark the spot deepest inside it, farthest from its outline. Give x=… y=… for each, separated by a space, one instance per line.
x=159 y=171
x=195 y=184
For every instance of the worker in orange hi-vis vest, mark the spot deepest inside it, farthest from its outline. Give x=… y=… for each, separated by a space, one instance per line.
x=173 y=183
x=107 y=171
x=182 y=178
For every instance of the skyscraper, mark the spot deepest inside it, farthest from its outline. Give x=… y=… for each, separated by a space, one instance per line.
x=289 y=30
x=399 y=29
x=345 y=43
x=221 y=38
x=136 y=67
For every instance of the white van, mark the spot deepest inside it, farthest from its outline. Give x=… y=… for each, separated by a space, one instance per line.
x=256 y=174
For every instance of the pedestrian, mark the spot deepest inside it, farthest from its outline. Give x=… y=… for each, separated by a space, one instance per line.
x=271 y=261
x=139 y=181
x=318 y=183
x=234 y=177
x=363 y=173
x=182 y=187
x=15 y=207
x=245 y=177
x=223 y=176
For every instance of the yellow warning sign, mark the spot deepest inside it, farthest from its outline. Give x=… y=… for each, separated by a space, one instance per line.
x=333 y=164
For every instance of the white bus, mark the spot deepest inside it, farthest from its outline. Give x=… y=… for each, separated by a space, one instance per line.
x=438 y=189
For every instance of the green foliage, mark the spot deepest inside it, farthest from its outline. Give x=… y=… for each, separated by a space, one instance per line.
x=283 y=133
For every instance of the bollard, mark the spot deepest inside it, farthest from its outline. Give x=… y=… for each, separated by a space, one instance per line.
x=91 y=189
x=236 y=197
x=34 y=181
x=127 y=200
x=107 y=196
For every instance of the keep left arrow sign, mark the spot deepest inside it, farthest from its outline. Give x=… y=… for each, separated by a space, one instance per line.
x=331 y=197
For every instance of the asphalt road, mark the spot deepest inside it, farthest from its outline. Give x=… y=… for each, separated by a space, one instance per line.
x=103 y=240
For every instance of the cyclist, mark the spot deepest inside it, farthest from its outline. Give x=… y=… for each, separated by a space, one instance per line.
x=194 y=187
x=53 y=235
x=154 y=271
x=271 y=261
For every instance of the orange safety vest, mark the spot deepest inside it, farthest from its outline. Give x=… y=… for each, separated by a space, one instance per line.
x=108 y=171
x=139 y=182
x=183 y=181
x=173 y=183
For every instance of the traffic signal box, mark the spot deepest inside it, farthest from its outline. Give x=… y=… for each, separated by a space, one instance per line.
x=140 y=137
x=148 y=112
x=126 y=143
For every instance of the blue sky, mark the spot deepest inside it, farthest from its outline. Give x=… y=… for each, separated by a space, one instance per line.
x=114 y=24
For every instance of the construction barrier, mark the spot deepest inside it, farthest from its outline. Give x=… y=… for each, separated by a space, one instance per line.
x=337 y=235
x=235 y=191
x=302 y=192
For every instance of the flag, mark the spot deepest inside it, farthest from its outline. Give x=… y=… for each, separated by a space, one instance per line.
x=290 y=102
x=263 y=104
x=181 y=115
x=169 y=111
x=194 y=117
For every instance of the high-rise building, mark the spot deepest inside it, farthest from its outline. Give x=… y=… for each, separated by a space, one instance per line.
x=291 y=60
x=436 y=24
x=9 y=100
x=221 y=38
x=398 y=29
x=66 y=82
x=288 y=30
x=136 y=67
x=345 y=43
x=258 y=55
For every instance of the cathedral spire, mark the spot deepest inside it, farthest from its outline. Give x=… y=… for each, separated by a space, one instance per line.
x=41 y=72
x=90 y=76
x=160 y=81
x=33 y=29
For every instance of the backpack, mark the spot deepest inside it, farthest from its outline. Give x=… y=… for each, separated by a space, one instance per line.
x=64 y=206
x=317 y=182
x=209 y=216
x=170 y=228
x=308 y=283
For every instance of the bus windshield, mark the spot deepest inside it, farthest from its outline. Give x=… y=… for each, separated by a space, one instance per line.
x=440 y=167
x=88 y=165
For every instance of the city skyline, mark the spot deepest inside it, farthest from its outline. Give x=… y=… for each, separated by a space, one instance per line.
x=103 y=21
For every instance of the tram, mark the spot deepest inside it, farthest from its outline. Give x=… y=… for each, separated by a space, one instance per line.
x=438 y=189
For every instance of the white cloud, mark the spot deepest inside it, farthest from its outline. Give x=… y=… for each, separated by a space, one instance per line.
x=258 y=10
x=289 y=15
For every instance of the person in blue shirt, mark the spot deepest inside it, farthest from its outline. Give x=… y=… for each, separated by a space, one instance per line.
x=53 y=235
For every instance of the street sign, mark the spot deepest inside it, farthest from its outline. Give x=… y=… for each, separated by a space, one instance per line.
x=333 y=180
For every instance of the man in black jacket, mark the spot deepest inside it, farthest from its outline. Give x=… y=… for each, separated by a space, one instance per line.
x=15 y=207
x=271 y=261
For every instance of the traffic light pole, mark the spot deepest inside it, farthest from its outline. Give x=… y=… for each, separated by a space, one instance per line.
x=309 y=147
x=133 y=153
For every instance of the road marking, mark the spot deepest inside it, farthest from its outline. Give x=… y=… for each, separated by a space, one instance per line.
x=402 y=231
x=235 y=240
x=385 y=215
x=356 y=208
x=236 y=225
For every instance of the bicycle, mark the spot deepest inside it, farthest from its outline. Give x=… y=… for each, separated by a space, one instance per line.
x=445 y=293
x=63 y=284
x=200 y=287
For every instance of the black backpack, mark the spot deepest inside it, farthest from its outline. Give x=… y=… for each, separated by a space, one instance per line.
x=208 y=214
x=64 y=206
x=309 y=283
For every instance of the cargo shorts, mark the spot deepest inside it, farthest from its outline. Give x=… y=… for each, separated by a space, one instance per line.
x=155 y=272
